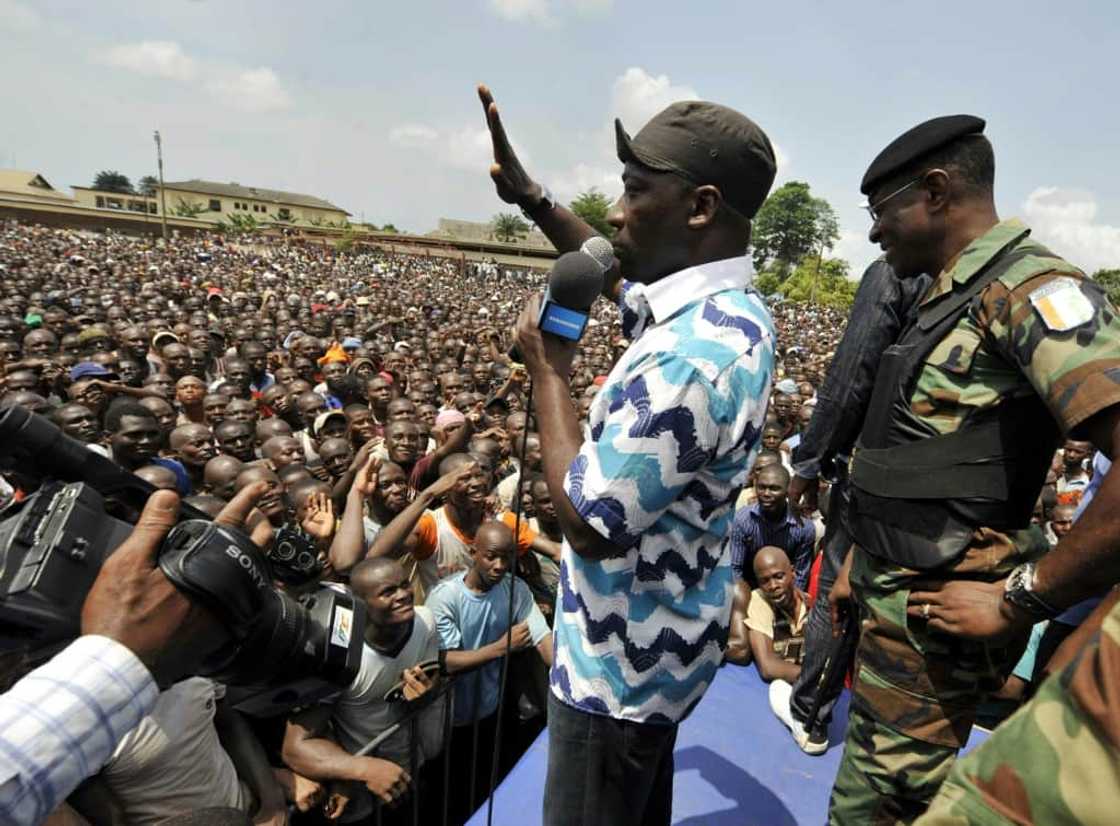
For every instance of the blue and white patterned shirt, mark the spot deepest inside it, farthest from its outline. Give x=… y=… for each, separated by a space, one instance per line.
x=640 y=635
x=60 y=724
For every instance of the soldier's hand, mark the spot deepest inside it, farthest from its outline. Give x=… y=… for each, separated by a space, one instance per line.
x=966 y=608
x=510 y=178
x=803 y=494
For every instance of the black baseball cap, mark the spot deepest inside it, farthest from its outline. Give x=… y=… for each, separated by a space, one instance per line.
x=707 y=144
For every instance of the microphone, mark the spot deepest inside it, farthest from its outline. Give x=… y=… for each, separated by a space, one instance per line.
x=574 y=283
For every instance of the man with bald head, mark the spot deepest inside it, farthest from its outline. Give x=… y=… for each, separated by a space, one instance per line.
x=268 y=428
x=177 y=358
x=242 y=410
x=189 y=393
x=281 y=451
x=236 y=439
x=272 y=503
x=214 y=408
x=399 y=638
x=336 y=455
x=40 y=344
x=219 y=477
x=193 y=446
x=159 y=477
x=776 y=617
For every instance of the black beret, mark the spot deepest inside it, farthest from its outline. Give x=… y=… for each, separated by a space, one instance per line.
x=914 y=143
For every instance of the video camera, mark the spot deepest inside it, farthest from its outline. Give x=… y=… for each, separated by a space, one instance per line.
x=277 y=652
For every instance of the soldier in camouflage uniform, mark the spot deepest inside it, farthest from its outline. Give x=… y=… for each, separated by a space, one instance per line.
x=1056 y=760
x=1032 y=350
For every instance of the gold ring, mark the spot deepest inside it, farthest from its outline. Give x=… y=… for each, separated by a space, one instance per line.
x=925 y=610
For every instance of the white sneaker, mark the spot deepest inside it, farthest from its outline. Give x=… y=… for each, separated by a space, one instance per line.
x=780 y=694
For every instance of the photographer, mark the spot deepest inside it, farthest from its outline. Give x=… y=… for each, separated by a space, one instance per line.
x=60 y=723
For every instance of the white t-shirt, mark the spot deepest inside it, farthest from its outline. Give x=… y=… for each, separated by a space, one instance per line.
x=361 y=713
x=172 y=762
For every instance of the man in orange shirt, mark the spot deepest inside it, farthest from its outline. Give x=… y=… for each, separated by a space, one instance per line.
x=440 y=540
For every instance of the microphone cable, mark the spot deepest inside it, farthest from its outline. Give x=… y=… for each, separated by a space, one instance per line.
x=517 y=509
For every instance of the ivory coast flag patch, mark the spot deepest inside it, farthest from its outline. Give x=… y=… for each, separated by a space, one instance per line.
x=1061 y=305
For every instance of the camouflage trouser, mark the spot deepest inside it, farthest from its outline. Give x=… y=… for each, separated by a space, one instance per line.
x=1056 y=760
x=885 y=778
x=915 y=692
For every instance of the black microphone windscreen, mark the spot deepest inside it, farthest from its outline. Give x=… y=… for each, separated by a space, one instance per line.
x=575 y=281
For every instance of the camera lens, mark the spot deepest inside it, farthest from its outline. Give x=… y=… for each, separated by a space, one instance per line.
x=284 y=551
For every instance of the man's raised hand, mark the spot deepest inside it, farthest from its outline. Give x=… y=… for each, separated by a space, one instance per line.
x=510 y=178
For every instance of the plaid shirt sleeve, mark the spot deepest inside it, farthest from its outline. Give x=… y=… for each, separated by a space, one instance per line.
x=61 y=723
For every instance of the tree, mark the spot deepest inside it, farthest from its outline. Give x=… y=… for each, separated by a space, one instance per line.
x=769 y=282
x=188 y=209
x=147 y=185
x=825 y=283
x=237 y=223
x=509 y=227
x=1110 y=283
x=109 y=180
x=827 y=226
x=790 y=225
x=592 y=206
x=390 y=228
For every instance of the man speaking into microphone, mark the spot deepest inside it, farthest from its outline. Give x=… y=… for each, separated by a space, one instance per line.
x=645 y=501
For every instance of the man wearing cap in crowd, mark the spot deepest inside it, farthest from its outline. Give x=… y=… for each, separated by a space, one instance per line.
x=645 y=502
x=1011 y=348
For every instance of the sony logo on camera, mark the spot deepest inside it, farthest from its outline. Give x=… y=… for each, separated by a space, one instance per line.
x=248 y=565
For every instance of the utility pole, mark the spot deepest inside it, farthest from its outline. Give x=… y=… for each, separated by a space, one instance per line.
x=162 y=194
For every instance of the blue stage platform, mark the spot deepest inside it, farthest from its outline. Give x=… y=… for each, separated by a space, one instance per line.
x=736 y=765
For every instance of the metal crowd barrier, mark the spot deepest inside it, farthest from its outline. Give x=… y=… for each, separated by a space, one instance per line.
x=444 y=691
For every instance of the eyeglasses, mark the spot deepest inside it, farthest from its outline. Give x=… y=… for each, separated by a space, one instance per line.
x=876 y=210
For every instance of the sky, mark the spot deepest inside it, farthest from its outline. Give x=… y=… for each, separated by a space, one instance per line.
x=372 y=105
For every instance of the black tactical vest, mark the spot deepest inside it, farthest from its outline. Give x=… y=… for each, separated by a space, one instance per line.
x=916 y=499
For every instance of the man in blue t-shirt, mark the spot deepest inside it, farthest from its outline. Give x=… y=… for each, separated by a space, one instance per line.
x=472 y=615
x=472 y=611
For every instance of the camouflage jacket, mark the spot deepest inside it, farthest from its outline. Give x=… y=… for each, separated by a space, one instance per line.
x=1042 y=328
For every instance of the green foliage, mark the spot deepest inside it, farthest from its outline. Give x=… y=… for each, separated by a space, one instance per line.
x=147 y=185
x=791 y=225
x=237 y=223
x=109 y=180
x=390 y=228
x=509 y=227
x=1110 y=283
x=827 y=284
x=769 y=282
x=188 y=209
x=345 y=243
x=316 y=220
x=592 y=206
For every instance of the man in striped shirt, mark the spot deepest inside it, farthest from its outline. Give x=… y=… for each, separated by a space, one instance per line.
x=771 y=521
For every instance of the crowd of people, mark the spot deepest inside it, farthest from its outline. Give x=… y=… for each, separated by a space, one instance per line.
x=372 y=392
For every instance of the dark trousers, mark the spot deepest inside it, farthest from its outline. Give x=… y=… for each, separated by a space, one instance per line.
x=818 y=631
x=607 y=772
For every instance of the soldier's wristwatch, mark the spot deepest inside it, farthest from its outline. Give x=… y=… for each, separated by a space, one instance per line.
x=1019 y=592
x=546 y=202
